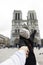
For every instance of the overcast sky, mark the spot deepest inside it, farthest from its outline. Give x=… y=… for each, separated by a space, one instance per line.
x=6 y=13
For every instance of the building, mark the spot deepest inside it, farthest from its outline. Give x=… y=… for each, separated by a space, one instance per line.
x=4 y=41
x=31 y=24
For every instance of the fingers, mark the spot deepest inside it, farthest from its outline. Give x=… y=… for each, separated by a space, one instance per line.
x=25 y=48
x=27 y=53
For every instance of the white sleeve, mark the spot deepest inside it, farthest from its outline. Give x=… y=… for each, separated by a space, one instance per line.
x=37 y=63
x=18 y=58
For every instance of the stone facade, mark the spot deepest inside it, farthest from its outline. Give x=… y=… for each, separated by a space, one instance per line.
x=4 y=41
x=31 y=24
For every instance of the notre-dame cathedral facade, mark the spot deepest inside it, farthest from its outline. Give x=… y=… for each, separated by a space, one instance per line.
x=31 y=24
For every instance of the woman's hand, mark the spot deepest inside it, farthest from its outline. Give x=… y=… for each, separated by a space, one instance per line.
x=25 y=48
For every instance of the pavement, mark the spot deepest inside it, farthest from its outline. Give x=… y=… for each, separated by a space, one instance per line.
x=5 y=53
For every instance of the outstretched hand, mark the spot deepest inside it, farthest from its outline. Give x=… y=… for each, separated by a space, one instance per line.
x=25 y=48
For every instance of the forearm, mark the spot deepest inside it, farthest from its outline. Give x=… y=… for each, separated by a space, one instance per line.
x=19 y=57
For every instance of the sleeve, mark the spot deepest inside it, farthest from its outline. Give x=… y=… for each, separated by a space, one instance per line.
x=37 y=63
x=18 y=58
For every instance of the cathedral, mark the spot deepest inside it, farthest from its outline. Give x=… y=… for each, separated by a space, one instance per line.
x=31 y=24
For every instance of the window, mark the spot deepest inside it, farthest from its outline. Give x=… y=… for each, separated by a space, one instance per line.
x=32 y=16
x=18 y=16
x=18 y=30
x=15 y=30
x=15 y=16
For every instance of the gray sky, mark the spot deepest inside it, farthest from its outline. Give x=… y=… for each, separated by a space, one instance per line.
x=6 y=13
